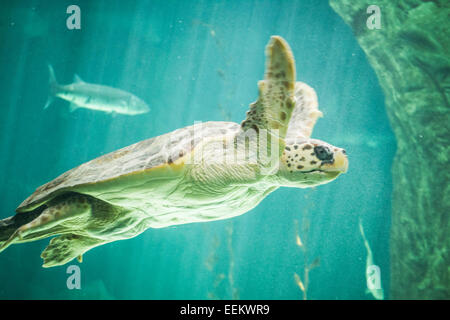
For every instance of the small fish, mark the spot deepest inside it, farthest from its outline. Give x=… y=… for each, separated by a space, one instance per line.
x=377 y=293
x=95 y=97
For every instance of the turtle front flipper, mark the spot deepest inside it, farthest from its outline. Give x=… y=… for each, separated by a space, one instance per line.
x=65 y=248
x=268 y=117
x=305 y=114
x=275 y=103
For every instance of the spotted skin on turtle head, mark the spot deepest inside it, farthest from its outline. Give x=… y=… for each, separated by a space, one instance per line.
x=312 y=155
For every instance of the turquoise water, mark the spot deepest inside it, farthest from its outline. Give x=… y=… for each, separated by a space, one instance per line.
x=194 y=61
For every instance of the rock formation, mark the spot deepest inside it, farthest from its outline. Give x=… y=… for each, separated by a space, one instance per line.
x=410 y=54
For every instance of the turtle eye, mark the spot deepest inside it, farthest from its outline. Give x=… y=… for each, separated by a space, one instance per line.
x=323 y=153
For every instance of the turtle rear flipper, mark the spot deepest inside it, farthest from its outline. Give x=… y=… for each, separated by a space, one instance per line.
x=11 y=224
x=47 y=220
x=65 y=248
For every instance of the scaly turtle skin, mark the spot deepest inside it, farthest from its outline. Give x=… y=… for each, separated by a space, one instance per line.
x=204 y=172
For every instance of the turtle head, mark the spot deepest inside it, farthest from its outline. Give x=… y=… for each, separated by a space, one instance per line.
x=311 y=162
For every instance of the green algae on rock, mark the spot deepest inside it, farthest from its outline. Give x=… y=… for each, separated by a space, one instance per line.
x=410 y=55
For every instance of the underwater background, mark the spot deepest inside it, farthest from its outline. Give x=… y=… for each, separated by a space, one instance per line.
x=195 y=61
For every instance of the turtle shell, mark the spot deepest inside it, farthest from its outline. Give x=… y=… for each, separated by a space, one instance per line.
x=139 y=157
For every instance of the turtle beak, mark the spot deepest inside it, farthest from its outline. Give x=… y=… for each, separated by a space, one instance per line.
x=338 y=164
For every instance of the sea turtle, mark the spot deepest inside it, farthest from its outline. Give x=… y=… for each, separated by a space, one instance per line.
x=182 y=176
